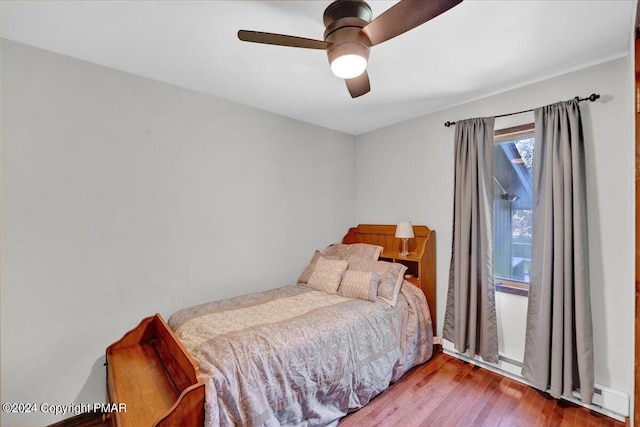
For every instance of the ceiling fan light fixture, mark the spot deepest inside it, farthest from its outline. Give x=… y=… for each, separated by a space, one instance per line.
x=348 y=59
x=348 y=66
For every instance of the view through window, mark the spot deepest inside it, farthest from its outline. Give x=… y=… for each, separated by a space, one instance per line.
x=512 y=208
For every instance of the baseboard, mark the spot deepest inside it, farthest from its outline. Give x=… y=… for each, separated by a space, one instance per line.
x=606 y=401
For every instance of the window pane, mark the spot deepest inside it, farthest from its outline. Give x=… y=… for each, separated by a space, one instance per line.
x=521 y=220
x=512 y=206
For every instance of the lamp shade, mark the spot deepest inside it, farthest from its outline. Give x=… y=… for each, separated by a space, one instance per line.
x=404 y=230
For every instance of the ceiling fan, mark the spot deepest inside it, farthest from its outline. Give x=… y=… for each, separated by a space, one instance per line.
x=350 y=32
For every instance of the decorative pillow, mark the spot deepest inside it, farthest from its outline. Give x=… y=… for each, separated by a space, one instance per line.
x=389 y=288
x=344 y=251
x=327 y=275
x=391 y=276
x=360 y=284
x=304 y=277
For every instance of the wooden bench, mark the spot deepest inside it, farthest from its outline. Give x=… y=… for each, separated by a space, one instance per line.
x=150 y=372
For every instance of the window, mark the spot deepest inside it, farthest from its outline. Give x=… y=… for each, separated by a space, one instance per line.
x=512 y=208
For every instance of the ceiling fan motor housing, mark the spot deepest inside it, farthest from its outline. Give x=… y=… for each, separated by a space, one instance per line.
x=347 y=9
x=344 y=20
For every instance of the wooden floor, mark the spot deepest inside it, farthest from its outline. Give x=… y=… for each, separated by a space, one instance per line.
x=449 y=392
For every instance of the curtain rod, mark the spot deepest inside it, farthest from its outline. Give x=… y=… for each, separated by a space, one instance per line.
x=591 y=98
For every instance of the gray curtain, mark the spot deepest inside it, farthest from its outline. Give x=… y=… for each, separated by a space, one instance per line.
x=558 y=344
x=470 y=316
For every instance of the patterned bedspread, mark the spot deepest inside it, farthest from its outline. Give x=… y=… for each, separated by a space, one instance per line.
x=297 y=356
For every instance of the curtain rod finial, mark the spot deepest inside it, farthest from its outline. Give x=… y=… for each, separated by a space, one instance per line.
x=593 y=97
x=449 y=124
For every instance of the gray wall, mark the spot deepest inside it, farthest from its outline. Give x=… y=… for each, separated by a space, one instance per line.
x=405 y=172
x=122 y=197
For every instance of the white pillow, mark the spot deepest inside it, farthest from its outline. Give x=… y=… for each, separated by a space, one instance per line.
x=327 y=275
x=344 y=251
x=304 y=277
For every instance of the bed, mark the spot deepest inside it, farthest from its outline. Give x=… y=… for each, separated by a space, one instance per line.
x=303 y=354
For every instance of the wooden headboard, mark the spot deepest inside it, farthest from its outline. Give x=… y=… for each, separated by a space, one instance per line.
x=421 y=261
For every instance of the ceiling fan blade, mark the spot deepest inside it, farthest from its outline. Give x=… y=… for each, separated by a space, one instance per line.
x=281 y=40
x=358 y=86
x=404 y=16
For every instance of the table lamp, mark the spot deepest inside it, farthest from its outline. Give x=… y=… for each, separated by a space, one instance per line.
x=404 y=231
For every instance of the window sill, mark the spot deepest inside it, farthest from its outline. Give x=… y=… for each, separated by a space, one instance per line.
x=513 y=288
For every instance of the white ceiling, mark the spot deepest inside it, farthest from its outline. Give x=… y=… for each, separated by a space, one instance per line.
x=479 y=47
